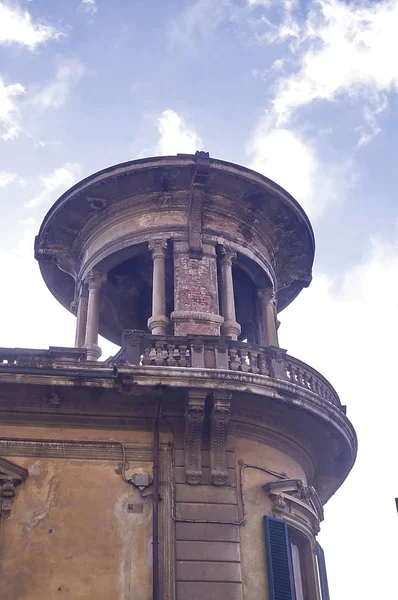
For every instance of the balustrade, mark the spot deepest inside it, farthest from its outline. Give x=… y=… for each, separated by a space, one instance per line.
x=209 y=352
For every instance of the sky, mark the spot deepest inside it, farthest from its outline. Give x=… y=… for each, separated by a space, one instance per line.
x=304 y=92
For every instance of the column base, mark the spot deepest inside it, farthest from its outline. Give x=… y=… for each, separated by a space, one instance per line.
x=190 y=322
x=158 y=324
x=93 y=351
x=231 y=328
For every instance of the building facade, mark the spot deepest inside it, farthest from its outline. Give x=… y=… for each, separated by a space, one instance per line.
x=195 y=463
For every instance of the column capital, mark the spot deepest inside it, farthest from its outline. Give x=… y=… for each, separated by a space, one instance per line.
x=227 y=255
x=95 y=279
x=158 y=248
x=267 y=294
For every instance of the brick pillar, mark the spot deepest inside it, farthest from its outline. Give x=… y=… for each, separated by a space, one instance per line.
x=195 y=291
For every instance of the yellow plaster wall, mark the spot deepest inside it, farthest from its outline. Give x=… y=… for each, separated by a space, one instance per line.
x=257 y=503
x=70 y=535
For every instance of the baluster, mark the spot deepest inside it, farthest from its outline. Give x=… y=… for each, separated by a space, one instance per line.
x=176 y=356
x=306 y=381
x=164 y=353
x=245 y=363
x=152 y=355
x=188 y=357
x=264 y=365
x=184 y=360
x=170 y=361
x=253 y=355
x=234 y=359
x=147 y=355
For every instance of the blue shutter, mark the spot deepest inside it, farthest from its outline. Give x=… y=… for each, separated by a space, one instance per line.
x=278 y=559
x=322 y=572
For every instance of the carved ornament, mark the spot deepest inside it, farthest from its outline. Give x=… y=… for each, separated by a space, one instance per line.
x=158 y=248
x=218 y=437
x=95 y=279
x=194 y=417
x=296 y=503
x=11 y=475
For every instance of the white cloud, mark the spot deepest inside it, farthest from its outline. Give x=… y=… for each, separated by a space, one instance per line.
x=7 y=178
x=89 y=6
x=342 y=48
x=175 y=135
x=9 y=111
x=53 y=185
x=54 y=94
x=291 y=161
x=370 y=114
x=347 y=328
x=17 y=26
x=198 y=20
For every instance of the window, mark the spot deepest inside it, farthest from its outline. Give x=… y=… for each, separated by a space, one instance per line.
x=292 y=567
x=321 y=571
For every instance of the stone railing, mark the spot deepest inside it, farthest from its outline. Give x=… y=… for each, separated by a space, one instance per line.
x=220 y=352
x=208 y=352
x=27 y=357
x=302 y=374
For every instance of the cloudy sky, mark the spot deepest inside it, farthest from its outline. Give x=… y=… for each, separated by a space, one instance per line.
x=304 y=92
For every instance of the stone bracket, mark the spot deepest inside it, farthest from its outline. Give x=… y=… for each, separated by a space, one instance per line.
x=218 y=437
x=194 y=417
x=11 y=475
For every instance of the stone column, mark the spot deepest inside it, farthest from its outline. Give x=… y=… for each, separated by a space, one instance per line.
x=230 y=326
x=269 y=333
x=81 y=316
x=158 y=322
x=94 y=281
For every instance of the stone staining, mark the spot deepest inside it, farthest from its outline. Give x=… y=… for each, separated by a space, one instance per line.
x=196 y=200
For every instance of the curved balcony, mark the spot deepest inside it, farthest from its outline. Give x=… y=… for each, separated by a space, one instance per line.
x=274 y=396
x=200 y=352
x=222 y=353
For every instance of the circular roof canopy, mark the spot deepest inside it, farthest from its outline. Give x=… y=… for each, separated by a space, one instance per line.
x=267 y=221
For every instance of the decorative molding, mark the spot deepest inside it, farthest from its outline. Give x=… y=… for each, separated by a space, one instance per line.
x=218 y=437
x=11 y=475
x=228 y=256
x=76 y=449
x=95 y=279
x=158 y=248
x=297 y=504
x=194 y=417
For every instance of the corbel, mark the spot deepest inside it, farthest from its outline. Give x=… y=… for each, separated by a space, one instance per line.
x=218 y=437
x=11 y=475
x=194 y=417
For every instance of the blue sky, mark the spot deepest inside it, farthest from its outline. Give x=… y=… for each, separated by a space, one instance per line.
x=306 y=93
